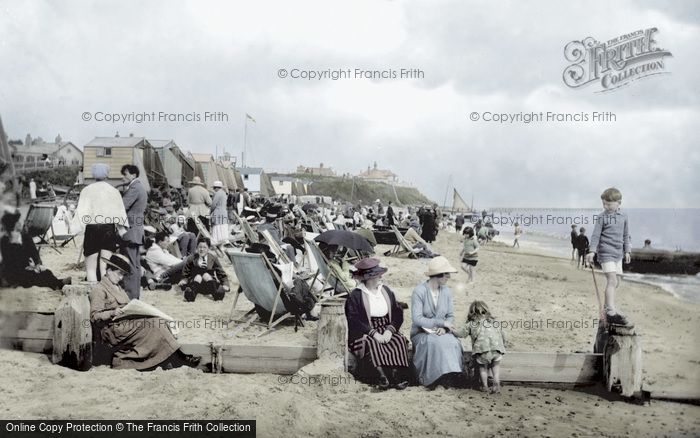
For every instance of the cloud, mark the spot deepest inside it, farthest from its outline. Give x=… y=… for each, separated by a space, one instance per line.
x=186 y=56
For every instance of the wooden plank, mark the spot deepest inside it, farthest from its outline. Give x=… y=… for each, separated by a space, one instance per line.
x=266 y=359
x=27 y=344
x=573 y=368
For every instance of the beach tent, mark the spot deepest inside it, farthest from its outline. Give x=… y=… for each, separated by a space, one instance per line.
x=5 y=154
x=224 y=177
x=266 y=188
x=169 y=155
x=239 y=178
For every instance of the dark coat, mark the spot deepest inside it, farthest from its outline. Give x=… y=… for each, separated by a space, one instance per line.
x=214 y=268
x=135 y=202
x=357 y=313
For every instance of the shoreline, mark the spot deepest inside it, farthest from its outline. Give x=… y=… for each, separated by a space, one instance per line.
x=660 y=285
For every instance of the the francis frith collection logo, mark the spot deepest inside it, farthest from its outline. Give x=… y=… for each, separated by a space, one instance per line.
x=615 y=63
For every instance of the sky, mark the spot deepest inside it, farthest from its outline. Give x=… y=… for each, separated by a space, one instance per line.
x=64 y=59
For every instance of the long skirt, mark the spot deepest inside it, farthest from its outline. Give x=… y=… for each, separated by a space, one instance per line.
x=392 y=354
x=219 y=233
x=435 y=356
x=140 y=343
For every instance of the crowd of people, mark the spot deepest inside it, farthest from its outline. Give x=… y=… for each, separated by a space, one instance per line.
x=135 y=239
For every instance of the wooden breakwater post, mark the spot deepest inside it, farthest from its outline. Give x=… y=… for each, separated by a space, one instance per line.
x=622 y=359
x=332 y=340
x=72 y=336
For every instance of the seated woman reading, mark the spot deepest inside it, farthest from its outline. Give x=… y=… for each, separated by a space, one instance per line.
x=141 y=343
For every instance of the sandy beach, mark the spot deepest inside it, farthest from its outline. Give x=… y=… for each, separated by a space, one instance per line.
x=545 y=305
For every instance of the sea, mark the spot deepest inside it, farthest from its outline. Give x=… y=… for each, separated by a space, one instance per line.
x=548 y=231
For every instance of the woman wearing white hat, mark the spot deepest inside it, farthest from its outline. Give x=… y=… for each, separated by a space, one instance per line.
x=219 y=214
x=437 y=352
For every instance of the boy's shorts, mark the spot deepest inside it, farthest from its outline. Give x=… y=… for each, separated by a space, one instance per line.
x=488 y=357
x=615 y=267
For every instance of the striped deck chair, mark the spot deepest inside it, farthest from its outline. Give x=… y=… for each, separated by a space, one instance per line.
x=257 y=279
x=38 y=224
x=403 y=247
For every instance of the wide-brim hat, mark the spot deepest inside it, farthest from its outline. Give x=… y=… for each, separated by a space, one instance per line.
x=9 y=220
x=196 y=181
x=118 y=261
x=217 y=185
x=368 y=268
x=439 y=265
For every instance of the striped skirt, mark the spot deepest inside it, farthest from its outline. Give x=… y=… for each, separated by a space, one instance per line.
x=392 y=354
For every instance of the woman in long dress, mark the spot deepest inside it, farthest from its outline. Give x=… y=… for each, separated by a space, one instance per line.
x=374 y=320
x=436 y=351
x=219 y=215
x=141 y=343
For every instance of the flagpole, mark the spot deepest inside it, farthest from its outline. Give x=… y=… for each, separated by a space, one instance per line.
x=447 y=189
x=245 y=138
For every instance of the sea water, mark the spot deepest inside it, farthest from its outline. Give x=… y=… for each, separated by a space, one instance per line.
x=548 y=231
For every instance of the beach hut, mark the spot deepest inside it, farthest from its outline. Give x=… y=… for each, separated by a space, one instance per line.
x=205 y=168
x=283 y=184
x=251 y=178
x=118 y=151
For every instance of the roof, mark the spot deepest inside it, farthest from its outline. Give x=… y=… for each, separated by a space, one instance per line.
x=202 y=158
x=43 y=149
x=250 y=170
x=116 y=142
x=68 y=143
x=282 y=178
x=161 y=143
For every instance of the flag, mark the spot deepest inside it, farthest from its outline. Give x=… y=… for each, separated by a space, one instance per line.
x=250 y=117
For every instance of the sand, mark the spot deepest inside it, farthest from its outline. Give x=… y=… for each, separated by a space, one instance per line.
x=547 y=304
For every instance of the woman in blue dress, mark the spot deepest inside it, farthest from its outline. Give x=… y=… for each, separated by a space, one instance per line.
x=437 y=352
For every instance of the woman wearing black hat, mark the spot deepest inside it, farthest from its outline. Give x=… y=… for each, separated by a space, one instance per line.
x=374 y=320
x=21 y=262
x=141 y=343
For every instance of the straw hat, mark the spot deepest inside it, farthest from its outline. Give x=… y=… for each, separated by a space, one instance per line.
x=368 y=268
x=217 y=185
x=118 y=261
x=439 y=265
x=196 y=181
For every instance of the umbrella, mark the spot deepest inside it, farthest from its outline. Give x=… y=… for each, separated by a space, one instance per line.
x=308 y=207
x=346 y=239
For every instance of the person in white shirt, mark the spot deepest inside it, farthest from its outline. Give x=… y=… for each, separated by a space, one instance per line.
x=165 y=267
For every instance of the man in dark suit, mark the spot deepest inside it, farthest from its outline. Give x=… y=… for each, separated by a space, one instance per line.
x=390 y=215
x=135 y=202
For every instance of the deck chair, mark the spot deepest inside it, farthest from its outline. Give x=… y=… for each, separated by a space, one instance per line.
x=275 y=247
x=250 y=234
x=221 y=248
x=60 y=230
x=38 y=224
x=403 y=247
x=257 y=279
x=324 y=274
